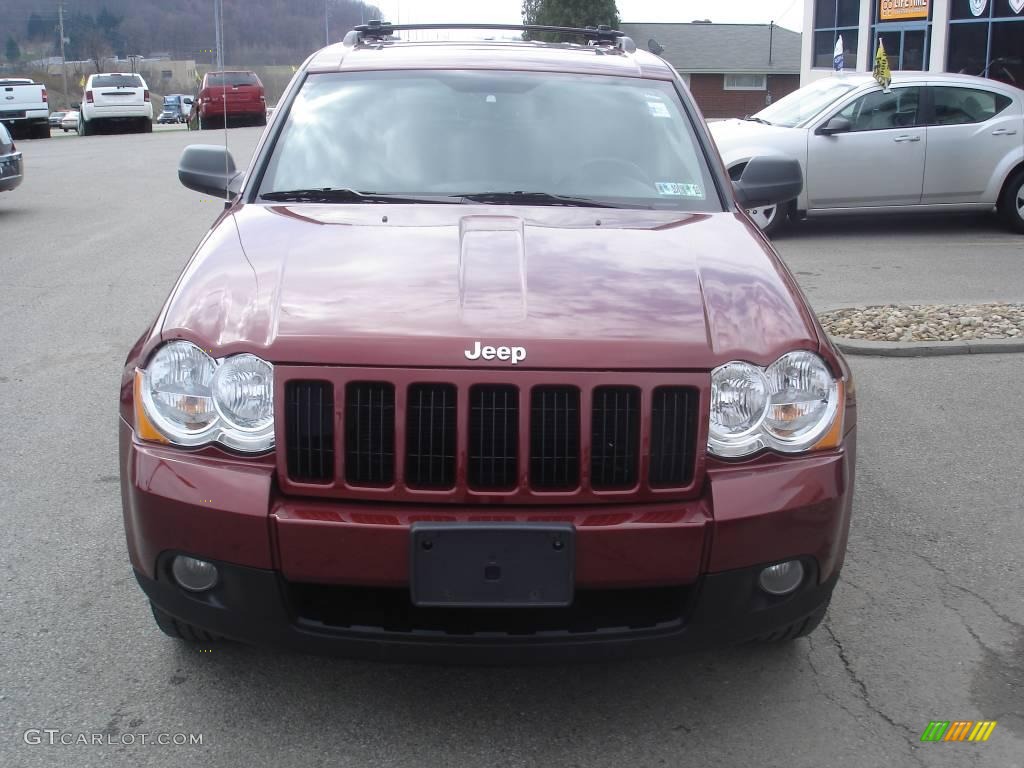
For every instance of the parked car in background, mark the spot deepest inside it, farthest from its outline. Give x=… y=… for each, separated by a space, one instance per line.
x=11 y=165
x=70 y=121
x=55 y=118
x=932 y=142
x=115 y=99
x=25 y=108
x=238 y=95
x=484 y=361
x=176 y=108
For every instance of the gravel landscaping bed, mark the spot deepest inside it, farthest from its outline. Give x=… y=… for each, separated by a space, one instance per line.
x=927 y=322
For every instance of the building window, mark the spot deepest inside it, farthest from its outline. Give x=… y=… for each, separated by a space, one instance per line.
x=746 y=82
x=986 y=38
x=834 y=19
x=166 y=74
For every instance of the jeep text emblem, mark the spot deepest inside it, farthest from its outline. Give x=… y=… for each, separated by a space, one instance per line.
x=513 y=354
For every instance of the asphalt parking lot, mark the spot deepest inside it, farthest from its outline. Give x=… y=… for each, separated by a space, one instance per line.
x=927 y=622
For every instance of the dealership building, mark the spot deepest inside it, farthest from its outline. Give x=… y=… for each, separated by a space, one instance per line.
x=975 y=37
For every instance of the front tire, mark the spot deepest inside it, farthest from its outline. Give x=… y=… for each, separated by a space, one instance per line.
x=84 y=129
x=1011 y=202
x=800 y=628
x=770 y=218
x=181 y=630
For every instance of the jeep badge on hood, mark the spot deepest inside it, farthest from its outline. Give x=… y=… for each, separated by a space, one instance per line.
x=515 y=354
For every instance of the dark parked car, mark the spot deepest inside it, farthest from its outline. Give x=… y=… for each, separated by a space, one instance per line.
x=11 y=165
x=55 y=118
x=485 y=361
x=238 y=94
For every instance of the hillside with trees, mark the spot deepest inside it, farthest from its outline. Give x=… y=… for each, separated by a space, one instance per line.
x=256 y=32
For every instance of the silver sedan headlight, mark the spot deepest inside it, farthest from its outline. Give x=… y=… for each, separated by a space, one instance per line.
x=789 y=406
x=191 y=399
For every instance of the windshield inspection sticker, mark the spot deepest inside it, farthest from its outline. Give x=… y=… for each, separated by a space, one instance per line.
x=658 y=109
x=679 y=190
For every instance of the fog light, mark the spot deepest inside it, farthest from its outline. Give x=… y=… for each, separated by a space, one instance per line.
x=194 y=575
x=783 y=578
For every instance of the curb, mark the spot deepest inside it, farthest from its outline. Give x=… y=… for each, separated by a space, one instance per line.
x=927 y=348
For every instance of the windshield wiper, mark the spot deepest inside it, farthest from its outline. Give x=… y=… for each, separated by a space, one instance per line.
x=756 y=119
x=536 y=198
x=335 y=195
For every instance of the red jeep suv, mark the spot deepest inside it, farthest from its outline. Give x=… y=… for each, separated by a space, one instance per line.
x=239 y=94
x=484 y=360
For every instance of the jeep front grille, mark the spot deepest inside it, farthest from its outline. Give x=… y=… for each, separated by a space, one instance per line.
x=458 y=436
x=370 y=433
x=309 y=416
x=430 y=436
x=493 y=436
x=555 y=438
x=616 y=432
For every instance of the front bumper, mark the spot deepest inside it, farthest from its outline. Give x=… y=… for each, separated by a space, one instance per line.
x=284 y=558
x=259 y=606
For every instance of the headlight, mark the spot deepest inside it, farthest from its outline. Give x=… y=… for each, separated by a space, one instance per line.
x=788 y=407
x=192 y=399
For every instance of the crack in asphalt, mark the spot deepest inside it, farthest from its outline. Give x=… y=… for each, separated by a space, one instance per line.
x=980 y=598
x=866 y=697
x=827 y=693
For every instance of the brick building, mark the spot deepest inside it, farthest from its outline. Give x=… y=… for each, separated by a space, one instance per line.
x=732 y=69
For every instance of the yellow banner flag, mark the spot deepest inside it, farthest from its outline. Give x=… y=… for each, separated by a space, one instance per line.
x=881 y=71
x=82 y=82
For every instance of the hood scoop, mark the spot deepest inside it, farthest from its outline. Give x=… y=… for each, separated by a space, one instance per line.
x=492 y=270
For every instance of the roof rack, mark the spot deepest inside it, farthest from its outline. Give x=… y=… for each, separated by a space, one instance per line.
x=377 y=30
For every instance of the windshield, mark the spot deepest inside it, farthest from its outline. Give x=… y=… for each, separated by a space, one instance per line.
x=170 y=102
x=220 y=79
x=614 y=140
x=117 y=81
x=803 y=104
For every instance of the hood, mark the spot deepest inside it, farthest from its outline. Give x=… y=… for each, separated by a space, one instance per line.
x=409 y=286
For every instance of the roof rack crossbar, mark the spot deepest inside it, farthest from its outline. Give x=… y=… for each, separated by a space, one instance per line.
x=378 y=30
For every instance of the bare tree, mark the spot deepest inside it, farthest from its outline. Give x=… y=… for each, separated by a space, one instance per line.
x=96 y=47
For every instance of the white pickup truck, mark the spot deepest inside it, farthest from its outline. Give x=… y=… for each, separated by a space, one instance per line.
x=25 y=108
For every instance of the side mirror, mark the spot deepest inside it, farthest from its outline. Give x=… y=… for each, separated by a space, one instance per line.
x=76 y=105
x=210 y=169
x=834 y=126
x=769 y=181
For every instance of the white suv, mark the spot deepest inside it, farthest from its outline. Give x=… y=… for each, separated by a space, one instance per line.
x=115 y=98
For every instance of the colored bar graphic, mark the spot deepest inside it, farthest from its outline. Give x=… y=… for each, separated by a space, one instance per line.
x=958 y=730
x=935 y=731
x=982 y=730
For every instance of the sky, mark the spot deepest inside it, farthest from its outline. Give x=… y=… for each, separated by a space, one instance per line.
x=787 y=13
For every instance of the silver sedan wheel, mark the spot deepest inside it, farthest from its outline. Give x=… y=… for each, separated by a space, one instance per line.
x=764 y=217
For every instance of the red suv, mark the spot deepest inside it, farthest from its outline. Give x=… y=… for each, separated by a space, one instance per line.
x=240 y=94
x=485 y=360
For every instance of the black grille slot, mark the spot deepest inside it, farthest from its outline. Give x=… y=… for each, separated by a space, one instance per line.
x=430 y=436
x=555 y=437
x=493 y=436
x=370 y=433
x=309 y=431
x=673 y=436
x=615 y=431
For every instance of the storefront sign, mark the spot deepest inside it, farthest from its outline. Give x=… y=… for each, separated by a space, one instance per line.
x=897 y=10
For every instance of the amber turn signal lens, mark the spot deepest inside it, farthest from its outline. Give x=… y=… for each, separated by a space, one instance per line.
x=834 y=436
x=143 y=426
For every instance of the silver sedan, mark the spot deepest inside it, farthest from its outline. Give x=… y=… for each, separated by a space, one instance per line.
x=932 y=142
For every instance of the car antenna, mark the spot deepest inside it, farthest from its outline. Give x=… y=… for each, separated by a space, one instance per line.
x=219 y=7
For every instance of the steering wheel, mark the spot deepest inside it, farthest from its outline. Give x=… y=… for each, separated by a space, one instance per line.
x=609 y=166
